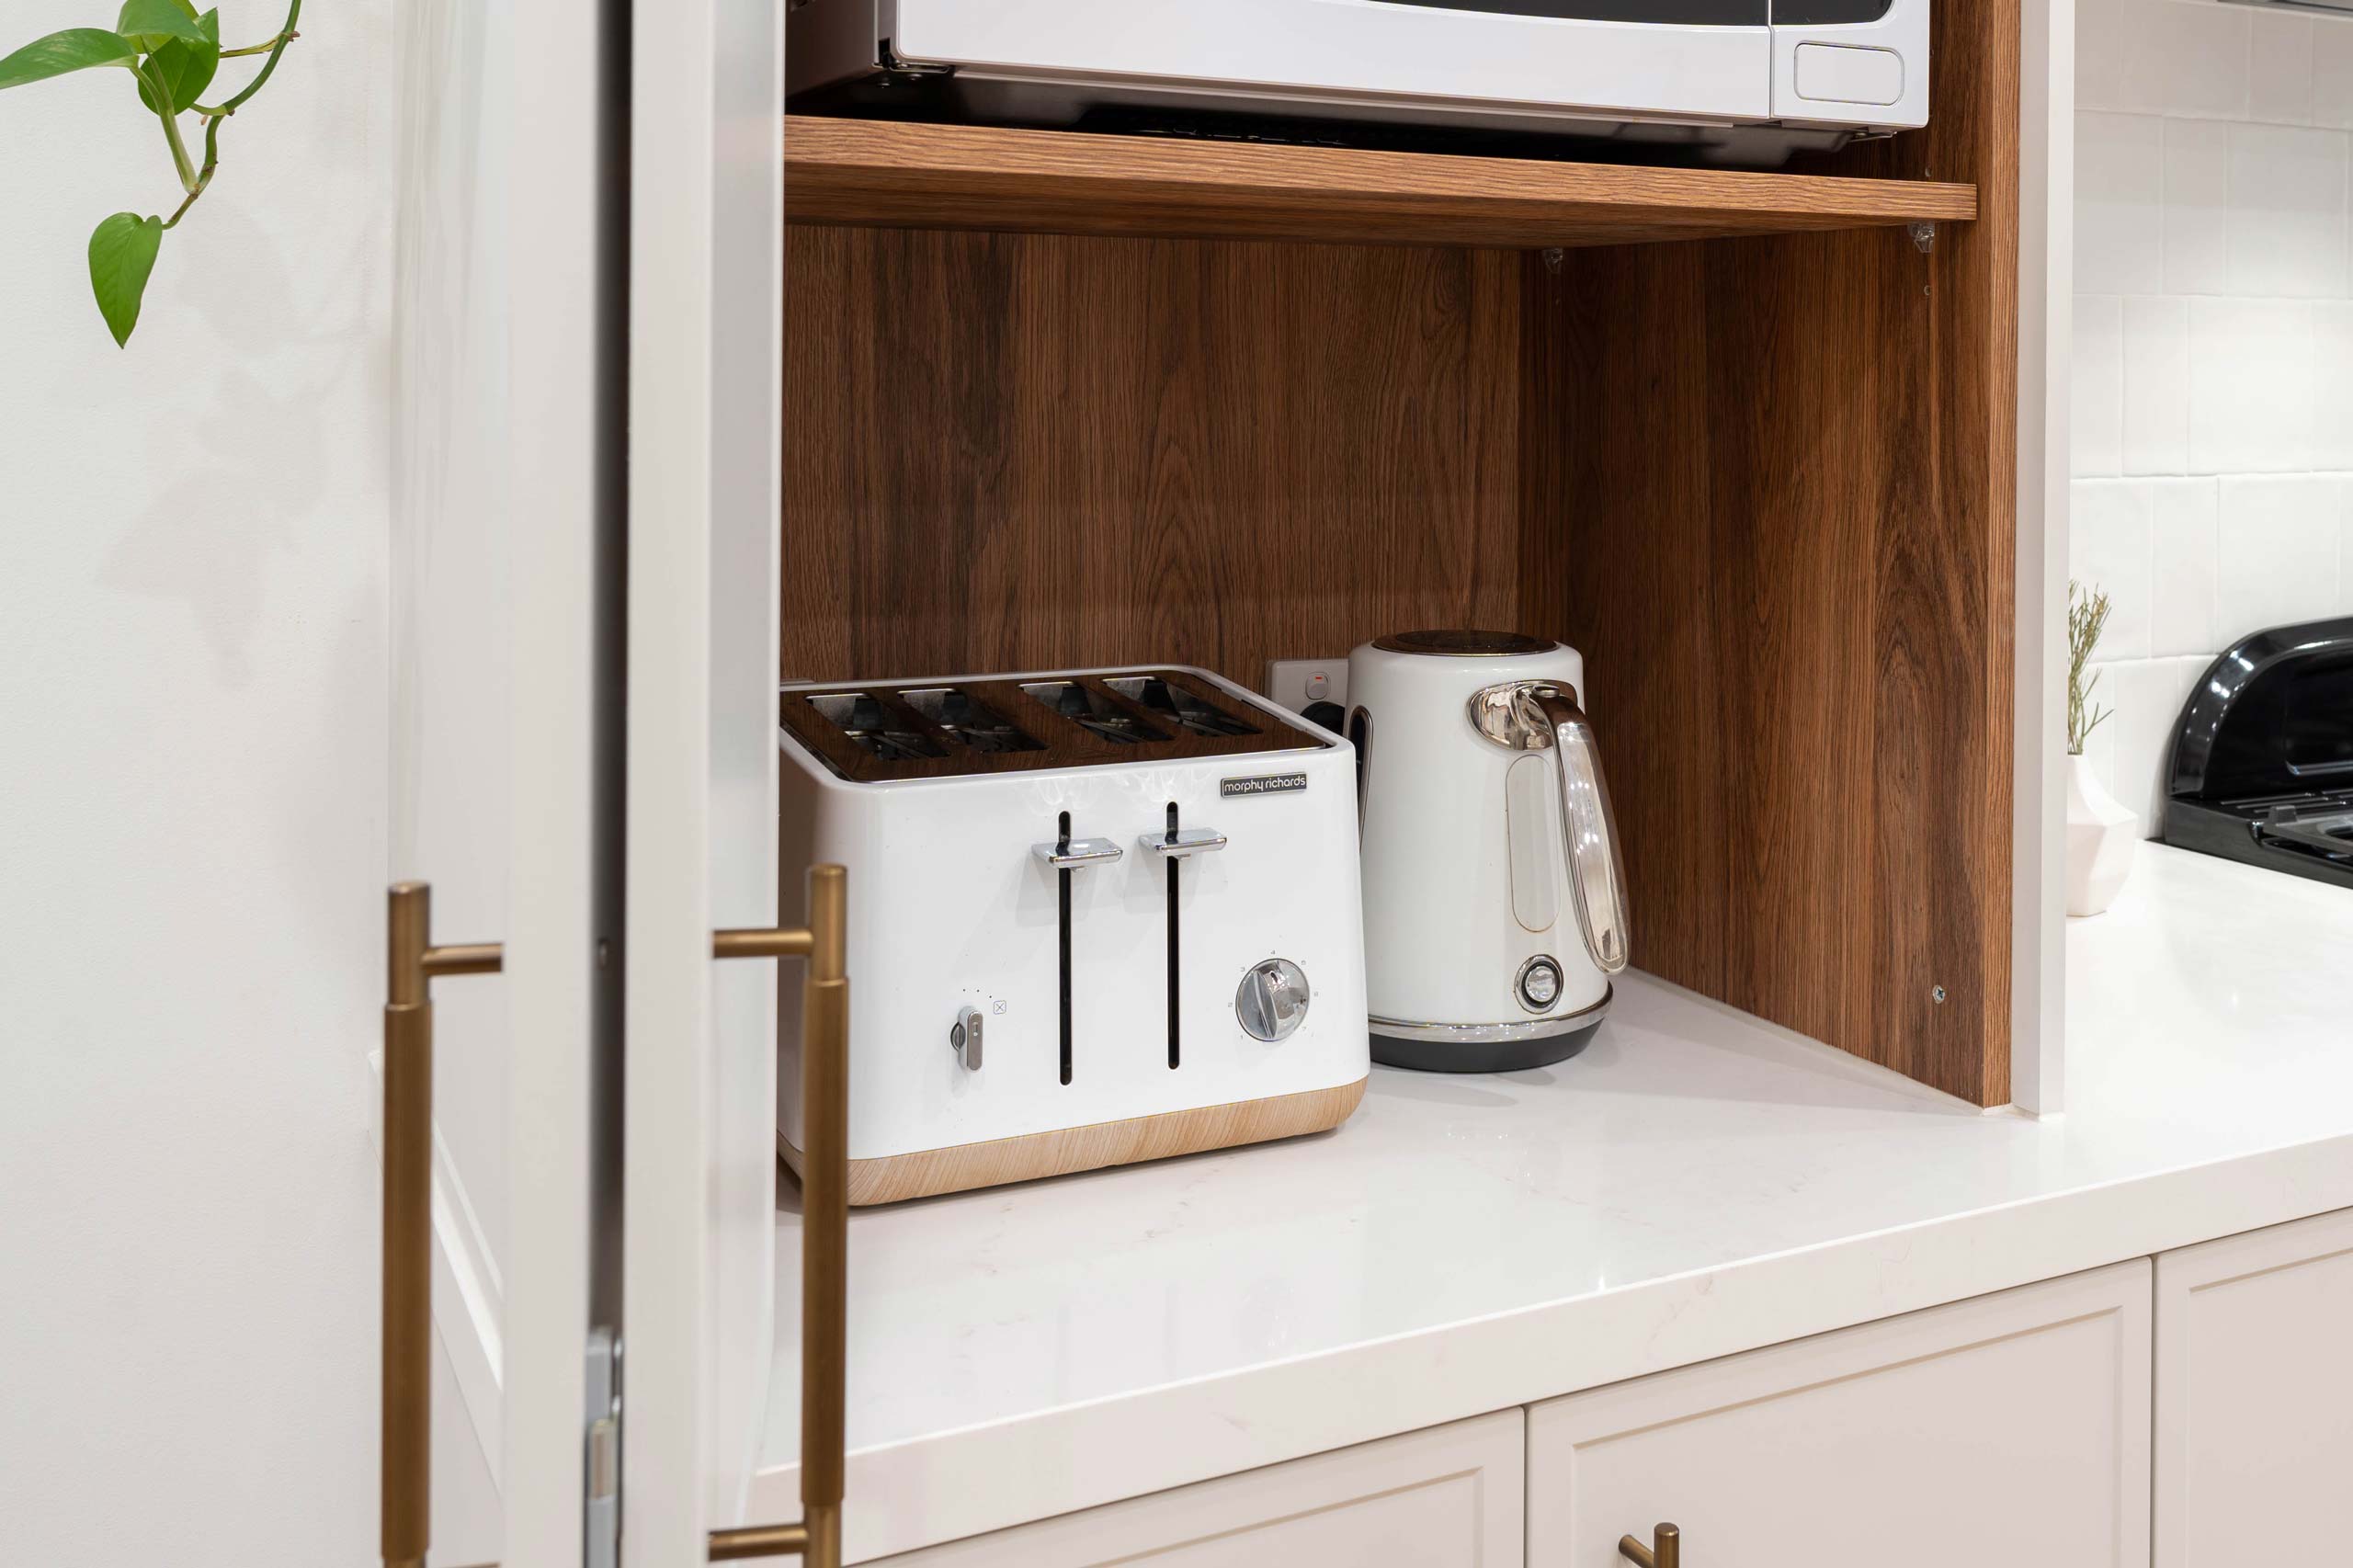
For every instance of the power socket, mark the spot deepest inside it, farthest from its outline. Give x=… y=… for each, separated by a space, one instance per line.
x=1295 y=683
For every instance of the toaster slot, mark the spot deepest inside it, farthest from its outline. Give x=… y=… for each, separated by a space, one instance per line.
x=1175 y=1040
x=960 y=714
x=1174 y=846
x=1183 y=707
x=1095 y=712
x=881 y=728
x=1062 y=844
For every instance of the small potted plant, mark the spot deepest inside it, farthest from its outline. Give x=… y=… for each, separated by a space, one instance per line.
x=2101 y=832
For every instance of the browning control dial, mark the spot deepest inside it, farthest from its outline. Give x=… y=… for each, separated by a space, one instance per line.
x=1271 y=1002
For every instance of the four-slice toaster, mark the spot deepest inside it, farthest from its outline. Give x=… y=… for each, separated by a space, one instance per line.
x=1097 y=916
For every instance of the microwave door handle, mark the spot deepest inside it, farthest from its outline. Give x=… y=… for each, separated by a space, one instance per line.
x=1589 y=843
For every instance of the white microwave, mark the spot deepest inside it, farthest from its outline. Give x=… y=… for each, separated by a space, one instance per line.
x=1746 y=80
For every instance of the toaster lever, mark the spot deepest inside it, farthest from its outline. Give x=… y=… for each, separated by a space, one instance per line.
x=1077 y=854
x=1182 y=846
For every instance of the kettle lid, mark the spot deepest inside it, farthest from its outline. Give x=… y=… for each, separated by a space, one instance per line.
x=1465 y=644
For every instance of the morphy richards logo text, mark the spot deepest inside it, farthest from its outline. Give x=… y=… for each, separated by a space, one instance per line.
x=1263 y=784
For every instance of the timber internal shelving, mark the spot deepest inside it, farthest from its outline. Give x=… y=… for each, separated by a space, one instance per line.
x=901 y=174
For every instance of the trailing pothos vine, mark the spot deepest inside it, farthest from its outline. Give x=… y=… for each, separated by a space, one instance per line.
x=173 y=55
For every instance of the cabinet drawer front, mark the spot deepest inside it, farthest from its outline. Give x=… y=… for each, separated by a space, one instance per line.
x=1449 y=1497
x=2255 y=1397
x=2013 y=1428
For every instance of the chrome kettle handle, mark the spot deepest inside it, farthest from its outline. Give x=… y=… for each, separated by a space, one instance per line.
x=1589 y=843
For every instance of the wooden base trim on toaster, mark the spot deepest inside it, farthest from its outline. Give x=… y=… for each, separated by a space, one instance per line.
x=967 y=1165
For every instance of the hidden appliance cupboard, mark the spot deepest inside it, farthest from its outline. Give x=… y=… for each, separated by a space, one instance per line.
x=885 y=398
x=1748 y=441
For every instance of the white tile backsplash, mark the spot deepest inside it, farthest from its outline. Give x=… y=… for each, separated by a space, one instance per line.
x=2332 y=384
x=2188 y=58
x=2279 y=67
x=2119 y=237
x=2184 y=559
x=2110 y=552
x=2099 y=63
x=2156 y=385
x=2287 y=210
x=2250 y=385
x=2100 y=746
x=2332 y=71
x=2149 y=696
x=2196 y=220
x=2097 y=443
x=2281 y=547
x=2213 y=366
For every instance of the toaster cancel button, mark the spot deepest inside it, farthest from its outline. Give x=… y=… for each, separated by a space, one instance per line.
x=965 y=1036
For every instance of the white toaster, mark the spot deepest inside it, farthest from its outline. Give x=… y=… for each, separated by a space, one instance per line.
x=1094 y=916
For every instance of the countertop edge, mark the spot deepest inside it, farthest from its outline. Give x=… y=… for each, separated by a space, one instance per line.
x=952 y=1484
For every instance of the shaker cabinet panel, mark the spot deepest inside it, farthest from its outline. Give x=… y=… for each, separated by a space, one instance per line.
x=2013 y=1428
x=2255 y=1397
x=1448 y=1497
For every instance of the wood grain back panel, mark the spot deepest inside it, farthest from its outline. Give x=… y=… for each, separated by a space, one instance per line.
x=1010 y=453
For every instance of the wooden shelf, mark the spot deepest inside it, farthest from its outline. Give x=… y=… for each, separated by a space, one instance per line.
x=897 y=175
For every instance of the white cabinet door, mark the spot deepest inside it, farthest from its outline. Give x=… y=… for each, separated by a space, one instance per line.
x=2011 y=1429
x=706 y=85
x=2255 y=1397
x=496 y=799
x=1449 y=1497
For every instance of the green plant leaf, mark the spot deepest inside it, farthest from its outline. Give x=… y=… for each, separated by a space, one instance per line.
x=122 y=252
x=75 y=49
x=186 y=67
x=150 y=24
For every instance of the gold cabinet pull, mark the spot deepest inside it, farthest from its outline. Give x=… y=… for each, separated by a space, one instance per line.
x=825 y=1223
x=412 y=964
x=1666 y=1551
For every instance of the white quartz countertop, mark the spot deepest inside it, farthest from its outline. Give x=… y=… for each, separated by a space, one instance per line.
x=1695 y=1184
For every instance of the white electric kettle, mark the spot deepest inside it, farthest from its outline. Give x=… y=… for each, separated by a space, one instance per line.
x=1494 y=898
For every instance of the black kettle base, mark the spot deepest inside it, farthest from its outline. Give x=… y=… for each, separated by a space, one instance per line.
x=1480 y=1056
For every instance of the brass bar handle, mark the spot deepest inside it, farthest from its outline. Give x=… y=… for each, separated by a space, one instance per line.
x=412 y=963
x=1666 y=1551
x=825 y=1223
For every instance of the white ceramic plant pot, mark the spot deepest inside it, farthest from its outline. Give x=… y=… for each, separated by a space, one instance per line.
x=2101 y=837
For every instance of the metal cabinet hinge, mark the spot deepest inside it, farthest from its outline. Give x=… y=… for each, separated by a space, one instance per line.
x=890 y=62
x=601 y=1457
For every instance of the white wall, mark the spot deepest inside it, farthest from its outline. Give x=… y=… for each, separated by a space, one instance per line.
x=2213 y=370
x=193 y=845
